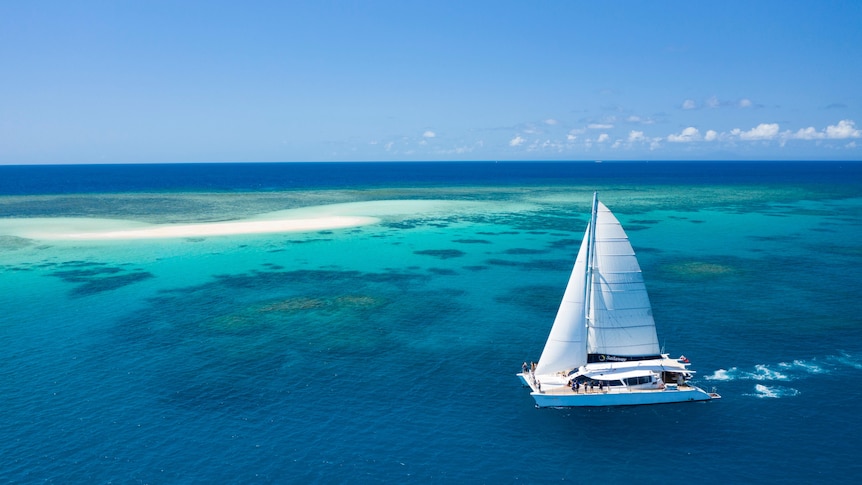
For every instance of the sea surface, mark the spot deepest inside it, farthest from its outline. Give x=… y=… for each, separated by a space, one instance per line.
x=387 y=352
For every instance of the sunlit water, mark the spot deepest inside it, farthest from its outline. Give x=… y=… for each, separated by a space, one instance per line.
x=386 y=352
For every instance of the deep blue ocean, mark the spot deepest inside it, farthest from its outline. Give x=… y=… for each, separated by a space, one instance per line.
x=387 y=352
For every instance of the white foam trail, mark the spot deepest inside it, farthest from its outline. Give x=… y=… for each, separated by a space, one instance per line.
x=761 y=373
x=774 y=392
x=846 y=359
x=808 y=367
x=797 y=369
x=763 y=391
x=786 y=371
x=722 y=375
x=764 y=373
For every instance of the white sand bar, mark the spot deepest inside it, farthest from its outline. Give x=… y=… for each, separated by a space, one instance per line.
x=304 y=219
x=112 y=229
x=227 y=228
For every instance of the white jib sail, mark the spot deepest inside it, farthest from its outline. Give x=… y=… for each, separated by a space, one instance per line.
x=566 y=346
x=621 y=320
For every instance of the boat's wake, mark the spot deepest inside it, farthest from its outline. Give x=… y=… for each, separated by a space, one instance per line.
x=782 y=371
x=773 y=391
x=786 y=372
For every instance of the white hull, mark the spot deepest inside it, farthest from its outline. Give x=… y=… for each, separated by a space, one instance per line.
x=556 y=396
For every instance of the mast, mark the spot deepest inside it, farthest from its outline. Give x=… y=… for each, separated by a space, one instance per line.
x=591 y=256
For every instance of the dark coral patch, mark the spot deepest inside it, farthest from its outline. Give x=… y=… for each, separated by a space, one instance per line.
x=532 y=265
x=83 y=275
x=108 y=283
x=441 y=253
x=538 y=298
x=504 y=262
x=523 y=251
x=442 y=271
x=475 y=268
x=94 y=277
x=564 y=243
x=635 y=228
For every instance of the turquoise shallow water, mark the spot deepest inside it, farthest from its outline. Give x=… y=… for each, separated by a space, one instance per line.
x=387 y=352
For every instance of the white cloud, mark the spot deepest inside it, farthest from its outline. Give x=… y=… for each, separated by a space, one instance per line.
x=638 y=120
x=573 y=134
x=714 y=102
x=551 y=121
x=763 y=131
x=689 y=134
x=429 y=134
x=636 y=136
x=844 y=129
x=620 y=136
x=809 y=133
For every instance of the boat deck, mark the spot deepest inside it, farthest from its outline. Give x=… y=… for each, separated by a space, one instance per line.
x=563 y=390
x=558 y=394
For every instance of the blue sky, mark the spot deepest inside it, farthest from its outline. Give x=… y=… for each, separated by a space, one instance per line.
x=122 y=82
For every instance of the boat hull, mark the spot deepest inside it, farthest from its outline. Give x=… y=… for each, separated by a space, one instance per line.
x=555 y=393
x=621 y=398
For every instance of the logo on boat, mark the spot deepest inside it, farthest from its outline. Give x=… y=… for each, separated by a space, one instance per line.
x=611 y=358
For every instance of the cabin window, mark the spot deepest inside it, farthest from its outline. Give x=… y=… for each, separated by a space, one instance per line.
x=633 y=381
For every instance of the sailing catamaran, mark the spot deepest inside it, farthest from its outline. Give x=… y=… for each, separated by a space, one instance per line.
x=603 y=348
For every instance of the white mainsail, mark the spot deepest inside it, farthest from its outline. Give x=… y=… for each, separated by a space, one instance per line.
x=620 y=321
